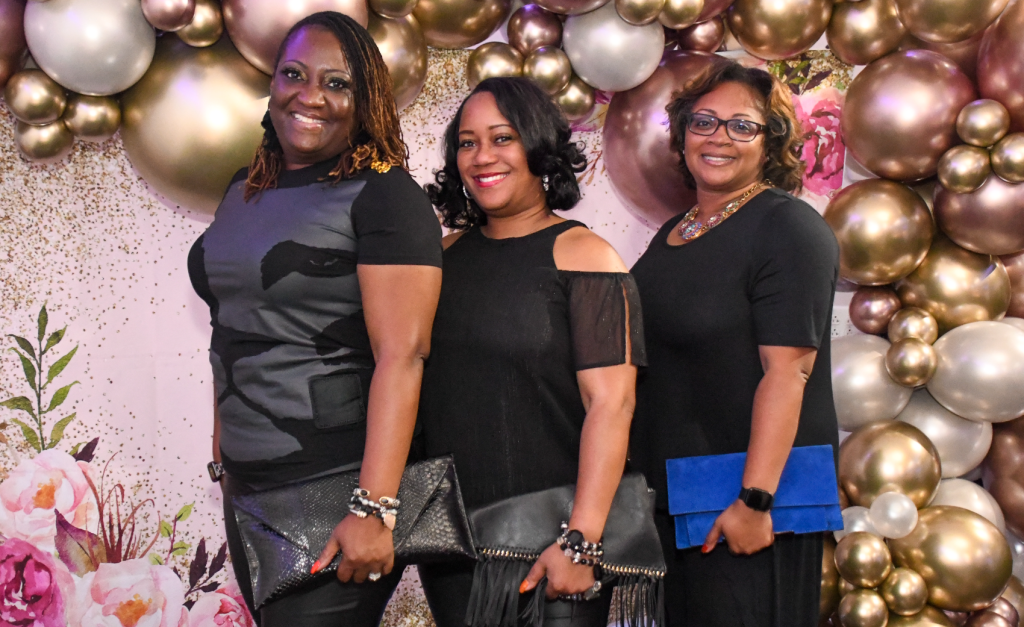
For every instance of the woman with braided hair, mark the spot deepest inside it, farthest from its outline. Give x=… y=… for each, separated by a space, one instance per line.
x=322 y=273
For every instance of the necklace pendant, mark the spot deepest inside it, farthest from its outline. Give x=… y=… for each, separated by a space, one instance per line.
x=691 y=230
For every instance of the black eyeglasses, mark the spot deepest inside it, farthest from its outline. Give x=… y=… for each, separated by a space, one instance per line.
x=737 y=129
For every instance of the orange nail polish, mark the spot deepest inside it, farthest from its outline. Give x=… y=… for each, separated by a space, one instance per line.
x=705 y=549
x=316 y=567
x=523 y=587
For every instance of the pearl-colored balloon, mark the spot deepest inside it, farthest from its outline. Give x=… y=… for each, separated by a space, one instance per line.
x=169 y=15
x=206 y=27
x=639 y=12
x=861 y=32
x=1008 y=158
x=862 y=608
x=894 y=515
x=702 y=36
x=491 y=60
x=1000 y=72
x=888 y=456
x=961 y=443
x=904 y=591
x=532 y=27
x=577 y=100
x=93 y=47
x=678 y=14
x=34 y=98
x=911 y=362
x=983 y=122
x=871 y=308
x=989 y=220
x=48 y=143
x=981 y=372
x=401 y=44
x=457 y=24
x=948 y=21
x=855 y=518
x=549 y=67
x=92 y=118
x=969 y=495
x=963 y=169
x=610 y=53
x=913 y=322
x=774 y=29
x=862 y=389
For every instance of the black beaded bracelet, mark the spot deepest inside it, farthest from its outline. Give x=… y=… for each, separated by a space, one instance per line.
x=386 y=509
x=577 y=549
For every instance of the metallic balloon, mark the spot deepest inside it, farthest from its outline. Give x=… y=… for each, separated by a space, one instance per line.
x=863 y=608
x=962 y=169
x=1014 y=265
x=855 y=518
x=770 y=29
x=981 y=372
x=1003 y=472
x=969 y=495
x=34 y=98
x=904 y=592
x=12 y=38
x=713 y=8
x=1000 y=73
x=194 y=120
x=169 y=15
x=1008 y=158
x=962 y=444
x=911 y=362
x=894 y=515
x=1014 y=594
x=845 y=587
x=863 y=559
x=871 y=308
x=206 y=27
x=989 y=220
x=829 y=599
x=913 y=322
x=92 y=118
x=401 y=43
x=1004 y=609
x=1016 y=322
x=983 y=122
x=963 y=53
x=702 y=36
x=549 y=67
x=531 y=27
x=861 y=32
x=900 y=113
x=678 y=14
x=576 y=100
x=862 y=389
x=48 y=143
x=962 y=557
x=610 y=53
x=889 y=456
x=93 y=47
x=571 y=7
x=948 y=21
x=884 y=231
x=639 y=12
x=928 y=617
x=957 y=286
x=984 y=618
x=392 y=8
x=460 y=23
x=493 y=59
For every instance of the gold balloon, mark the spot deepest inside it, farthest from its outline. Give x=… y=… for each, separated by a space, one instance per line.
x=493 y=59
x=863 y=608
x=948 y=21
x=401 y=43
x=531 y=27
x=639 y=12
x=871 y=308
x=913 y=322
x=904 y=591
x=92 y=118
x=911 y=362
x=829 y=599
x=48 y=143
x=889 y=456
x=194 y=120
x=702 y=36
x=1014 y=595
x=392 y=8
x=576 y=100
x=957 y=286
x=678 y=14
x=460 y=23
x=773 y=29
x=963 y=558
x=571 y=7
x=549 y=67
x=169 y=15
x=1008 y=158
x=844 y=587
x=928 y=617
x=34 y=98
x=983 y=122
x=206 y=27
x=861 y=32
x=962 y=169
x=884 y=230
x=863 y=559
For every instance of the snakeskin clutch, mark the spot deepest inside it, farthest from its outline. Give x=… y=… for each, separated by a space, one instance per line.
x=284 y=529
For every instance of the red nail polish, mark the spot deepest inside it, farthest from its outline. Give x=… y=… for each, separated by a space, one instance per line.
x=705 y=549
x=522 y=587
x=316 y=567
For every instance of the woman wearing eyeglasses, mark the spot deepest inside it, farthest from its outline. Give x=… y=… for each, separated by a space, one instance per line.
x=737 y=295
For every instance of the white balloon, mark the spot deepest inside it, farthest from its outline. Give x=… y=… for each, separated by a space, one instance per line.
x=962 y=444
x=862 y=389
x=893 y=514
x=608 y=52
x=93 y=47
x=1016 y=322
x=855 y=518
x=969 y=495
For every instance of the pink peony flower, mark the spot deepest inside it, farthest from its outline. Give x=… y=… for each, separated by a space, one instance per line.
x=129 y=594
x=34 y=587
x=52 y=480
x=223 y=608
x=824 y=151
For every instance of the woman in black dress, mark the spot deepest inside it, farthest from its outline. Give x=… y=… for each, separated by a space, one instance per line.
x=737 y=323
x=322 y=271
x=530 y=383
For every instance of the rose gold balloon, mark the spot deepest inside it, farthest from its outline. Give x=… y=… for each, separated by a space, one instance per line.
x=1014 y=595
x=989 y=220
x=493 y=59
x=1003 y=472
x=34 y=98
x=92 y=118
x=911 y=362
x=962 y=169
x=862 y=608
x=1000 y=71
x=861 y=32
x=904 y=591
x=983 y=122
x=770 y=29
x=963 y=53
x=871 y=308
x=985 y=618
x=678 y=14
x=576 y=100
x=460 y=23
x=829 y=599
x=703 y=36
x=713 y=8
x=1015 y=270
x=401 y=43
x=900 y=113
x=169 y=15
x=549 y=67
x=884 y=230
x=48 y=143
x=531 y=27
x=639 y=12
x=642 y=168
x=889 y=456
x=1004 y=609
x=206 y=27
x=257 y=27
x=913 y=322
x=572 y=7
x=948 y=21
x=392 y=8
x=12 y=38
x=1008 y=158
x=928 y=617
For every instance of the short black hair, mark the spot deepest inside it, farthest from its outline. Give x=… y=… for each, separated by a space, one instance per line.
x=546 y=137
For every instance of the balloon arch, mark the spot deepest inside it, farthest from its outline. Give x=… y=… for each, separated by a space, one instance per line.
x=930 y=221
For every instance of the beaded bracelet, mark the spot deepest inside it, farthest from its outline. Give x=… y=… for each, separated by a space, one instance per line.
x=386 y=509
x=577 y=549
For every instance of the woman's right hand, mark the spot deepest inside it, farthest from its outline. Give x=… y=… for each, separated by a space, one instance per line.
x=366 y=546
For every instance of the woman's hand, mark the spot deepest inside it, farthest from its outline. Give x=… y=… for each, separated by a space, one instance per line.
x=746 y=531
x=366 y=546
x=564 y=577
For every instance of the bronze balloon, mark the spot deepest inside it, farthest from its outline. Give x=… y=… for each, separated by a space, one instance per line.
x=678 y=14
x=1000 y=72
x=712 y=8
x=989 y=220
x=48 y=143
x=911 y=362
x=957 y=286
x=169 y=15
x=549 y=67
x=194 y=120
x=829 y=599
x=401 y=43
x=34 y=98
x=531 y=27
x=983 y=122
x=777 y=30
x=392 y=8
x=904 y=591
x=639 y=12
x=871 y=308
x=12 y=38
x=962 y=169
x=928 y=617
x=493 y=59
x=900 y=113
x=1004 y=609
x=863 y=559
x=1014 y=265
x=884 y=230
x=1003 y=471
x=861 y=32
x=1014 y=595
x=913 y=322
x=576 y=100
x=948 y=21
x=703 y=36
x=986 y=618
x=206 y=27
x=92 y=118
x=1008 y=158
x=889 y=456
x=460 y=23
x=863 y=608
x=962 y=557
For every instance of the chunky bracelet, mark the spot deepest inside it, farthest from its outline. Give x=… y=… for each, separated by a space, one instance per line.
x=386 y=509
x=577 y=549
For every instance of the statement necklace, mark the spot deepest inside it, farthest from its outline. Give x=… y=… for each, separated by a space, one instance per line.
x=690 y=229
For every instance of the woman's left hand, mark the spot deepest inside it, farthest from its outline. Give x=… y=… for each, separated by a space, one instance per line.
x=564 y=577
x=746 y=531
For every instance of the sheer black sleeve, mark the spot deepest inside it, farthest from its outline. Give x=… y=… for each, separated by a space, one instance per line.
x=395 y=222
x=605 y=319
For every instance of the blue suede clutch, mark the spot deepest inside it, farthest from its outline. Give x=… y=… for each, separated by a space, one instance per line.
x=700 y=488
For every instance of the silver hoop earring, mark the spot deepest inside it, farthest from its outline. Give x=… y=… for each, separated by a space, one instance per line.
x=465 y=192
x=545 y=182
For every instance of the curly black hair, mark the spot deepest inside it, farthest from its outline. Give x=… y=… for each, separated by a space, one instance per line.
x=545 y=134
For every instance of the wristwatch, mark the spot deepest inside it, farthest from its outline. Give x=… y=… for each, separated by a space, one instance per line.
x=216 y=471
x=757 y=499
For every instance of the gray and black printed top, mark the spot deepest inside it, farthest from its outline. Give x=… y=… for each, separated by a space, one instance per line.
x=290 y=352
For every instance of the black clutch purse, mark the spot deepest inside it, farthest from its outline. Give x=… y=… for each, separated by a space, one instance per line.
x=284 y=529
x=510 y=535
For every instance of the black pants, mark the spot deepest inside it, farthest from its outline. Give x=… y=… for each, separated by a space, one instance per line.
x=330 y=603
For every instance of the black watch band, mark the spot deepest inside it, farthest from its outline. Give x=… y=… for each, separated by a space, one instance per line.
x=216 y=471
x=757 y=499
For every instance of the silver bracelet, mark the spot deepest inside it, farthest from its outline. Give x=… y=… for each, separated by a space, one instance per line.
x=385 y=509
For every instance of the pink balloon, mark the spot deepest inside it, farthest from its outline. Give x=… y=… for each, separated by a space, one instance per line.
x=1001 y=63
x=989 y=220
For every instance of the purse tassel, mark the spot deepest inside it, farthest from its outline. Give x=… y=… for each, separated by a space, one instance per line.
x=641 y=601
x=494 y=600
